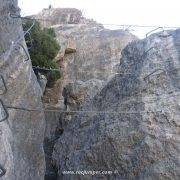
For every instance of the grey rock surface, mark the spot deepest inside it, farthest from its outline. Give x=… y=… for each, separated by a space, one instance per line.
x=42 y=80
x=88 y=58
x=56 y=16
x=97 y=53
x=22 y=134
x=89 y=52
x=94 y=62
x=132 y=126
x=52 y=133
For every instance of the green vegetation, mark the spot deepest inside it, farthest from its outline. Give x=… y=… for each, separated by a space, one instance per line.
x=44 y=49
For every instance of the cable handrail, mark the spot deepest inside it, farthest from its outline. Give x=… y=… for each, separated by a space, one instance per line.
x=107 y=24
x=84 y=111
x=60 y=110
x=101 y=72
x=39 y=68
x=53 y=109
x=18 y=40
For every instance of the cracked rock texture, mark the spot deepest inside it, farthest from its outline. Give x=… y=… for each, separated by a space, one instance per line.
x=56 y=16
x=88 y=59
x=89 y=53
x=132 y=126
x=22 y=134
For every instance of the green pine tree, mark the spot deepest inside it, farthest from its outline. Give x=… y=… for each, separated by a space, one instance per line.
x=44 y=49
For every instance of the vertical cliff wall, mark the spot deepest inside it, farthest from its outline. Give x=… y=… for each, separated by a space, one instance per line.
x=21 y=134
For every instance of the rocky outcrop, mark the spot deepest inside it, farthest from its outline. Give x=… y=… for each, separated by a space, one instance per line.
x=93 y=63
x=22 y=133
x=89 y=53
x=131 y=128
x=55 y=16
x=88 y=59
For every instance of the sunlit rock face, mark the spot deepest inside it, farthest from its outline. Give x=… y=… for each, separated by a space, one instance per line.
x=22 y=133
x=132 y=126
x=88 y=58
x=96 y=55
x=55 y=16
x=93 y=63
x=89 y=53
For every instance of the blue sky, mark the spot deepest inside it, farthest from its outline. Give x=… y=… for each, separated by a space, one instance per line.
x=143 y=12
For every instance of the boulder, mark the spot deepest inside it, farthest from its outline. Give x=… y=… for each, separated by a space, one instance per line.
x=131 y=128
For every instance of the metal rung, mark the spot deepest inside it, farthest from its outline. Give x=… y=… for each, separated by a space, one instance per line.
x=15 y=16
x=3 y=85
x=2 y=171
x=165 y=36
x=159 y=69
x=153 y=31
x=146 y=52
x=4 y=115
x=26 y=32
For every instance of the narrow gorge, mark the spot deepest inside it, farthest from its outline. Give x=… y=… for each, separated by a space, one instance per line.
x=114 y=114
x=89 y=57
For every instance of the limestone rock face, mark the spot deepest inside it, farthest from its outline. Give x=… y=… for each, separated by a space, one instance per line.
x=88 y=59
x=22 y=133
x=42 y=80
x=55 y=16
x=89 y=53
x=132 y=126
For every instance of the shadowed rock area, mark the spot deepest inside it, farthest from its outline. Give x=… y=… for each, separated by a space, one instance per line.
x=22 y=133
x=132 y=126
